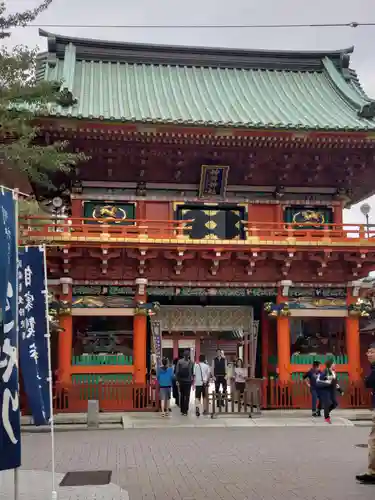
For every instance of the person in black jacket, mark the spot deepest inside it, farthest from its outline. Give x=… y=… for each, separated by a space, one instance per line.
x=369 y=476
x=176 y=392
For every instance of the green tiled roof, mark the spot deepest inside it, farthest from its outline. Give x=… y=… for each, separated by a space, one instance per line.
x=206 y=87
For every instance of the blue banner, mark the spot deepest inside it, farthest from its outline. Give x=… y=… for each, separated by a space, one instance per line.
x=10 y=427
x=32 y=313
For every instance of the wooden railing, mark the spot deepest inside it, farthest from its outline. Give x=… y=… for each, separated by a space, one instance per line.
x=296 y=395
x=122 y=396
x=102 y=359
x=74 y=230
x=111 y=396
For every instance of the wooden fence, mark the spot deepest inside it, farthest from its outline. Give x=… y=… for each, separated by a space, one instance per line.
x=296 y=395
x=123 y=397
x=111 y=396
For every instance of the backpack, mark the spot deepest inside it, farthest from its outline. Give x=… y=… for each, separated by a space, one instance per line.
x=184 y=370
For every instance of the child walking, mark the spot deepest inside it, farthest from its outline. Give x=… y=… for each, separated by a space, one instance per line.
x=165 y=378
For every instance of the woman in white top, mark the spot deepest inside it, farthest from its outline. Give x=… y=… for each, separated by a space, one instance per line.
x=240 y=377
x=202 y=375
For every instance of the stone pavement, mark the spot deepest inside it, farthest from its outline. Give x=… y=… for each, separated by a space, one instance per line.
x=155 y=421
x=211 y=464
x=36 y=484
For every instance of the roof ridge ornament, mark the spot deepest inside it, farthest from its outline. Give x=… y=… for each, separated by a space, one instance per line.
x=364 y=105
x=65 y=98
x=367 y=110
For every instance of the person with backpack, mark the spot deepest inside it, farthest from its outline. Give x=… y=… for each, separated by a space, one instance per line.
x=202 y=373
x=165 y=378
x=175 y=391
x=184 y=377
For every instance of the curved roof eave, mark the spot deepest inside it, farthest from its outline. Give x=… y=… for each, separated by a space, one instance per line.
x=194 y=55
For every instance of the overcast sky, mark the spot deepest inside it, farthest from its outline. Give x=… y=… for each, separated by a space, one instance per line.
x=219 y=12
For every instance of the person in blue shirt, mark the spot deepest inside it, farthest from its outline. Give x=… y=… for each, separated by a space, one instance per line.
x=310 y=377
x=165 y=378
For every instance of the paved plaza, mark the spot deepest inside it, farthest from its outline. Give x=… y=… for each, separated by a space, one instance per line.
x=212 y=464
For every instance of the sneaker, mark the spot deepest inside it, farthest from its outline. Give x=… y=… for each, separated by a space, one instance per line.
x=197 y=412
x=366 y=478
x=318 y=414
x=328 y=420
x=162 y=414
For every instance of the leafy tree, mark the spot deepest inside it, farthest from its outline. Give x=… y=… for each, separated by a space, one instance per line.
x=23 y=147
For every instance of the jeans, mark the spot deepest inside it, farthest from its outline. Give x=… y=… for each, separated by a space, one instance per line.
x=185 y=389
x=328 y=398
x=315 y=399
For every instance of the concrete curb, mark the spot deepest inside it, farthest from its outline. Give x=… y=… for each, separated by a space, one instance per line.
x=132 y=420
x=32 y=429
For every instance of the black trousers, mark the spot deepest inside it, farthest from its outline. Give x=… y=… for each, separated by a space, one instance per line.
x=220 y=380
x=329 y=401
x=185 y=389
x=176 y=393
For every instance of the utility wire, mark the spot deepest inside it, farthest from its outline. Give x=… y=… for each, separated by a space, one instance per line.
x=204 y=26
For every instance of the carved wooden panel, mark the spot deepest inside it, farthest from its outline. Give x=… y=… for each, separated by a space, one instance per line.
x=204 y=319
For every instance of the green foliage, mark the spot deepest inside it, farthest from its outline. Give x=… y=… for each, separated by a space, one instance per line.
x=19 y=19
x=23 y=146
x=30 y=207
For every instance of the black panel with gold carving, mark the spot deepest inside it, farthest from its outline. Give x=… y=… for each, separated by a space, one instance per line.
x=110 y=213
x=213 y=182
x=213 y=221
x=308 y=217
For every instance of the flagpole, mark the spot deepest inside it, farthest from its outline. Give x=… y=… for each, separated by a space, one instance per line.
x=15 y=190
x=48 y=336
x=15 y=194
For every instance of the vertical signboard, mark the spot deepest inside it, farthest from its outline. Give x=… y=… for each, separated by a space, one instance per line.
x=156 y=341
x=33 y=335
x=10 y=432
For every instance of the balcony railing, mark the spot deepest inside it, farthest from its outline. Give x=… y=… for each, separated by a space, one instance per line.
x=37 y=230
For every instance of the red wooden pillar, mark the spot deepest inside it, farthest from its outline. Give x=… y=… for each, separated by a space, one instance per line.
x=265 y=332
x=65 y=340
x=140 y=336
x=77 y=208
x=283 y=344
x=353 y=343
x=197 y=348
x=175 y=347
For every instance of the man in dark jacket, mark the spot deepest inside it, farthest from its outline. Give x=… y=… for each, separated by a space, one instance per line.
x=369 y=476
x=219 y=370
x=184 y=377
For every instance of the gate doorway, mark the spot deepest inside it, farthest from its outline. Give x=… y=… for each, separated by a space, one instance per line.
x=230 y=328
